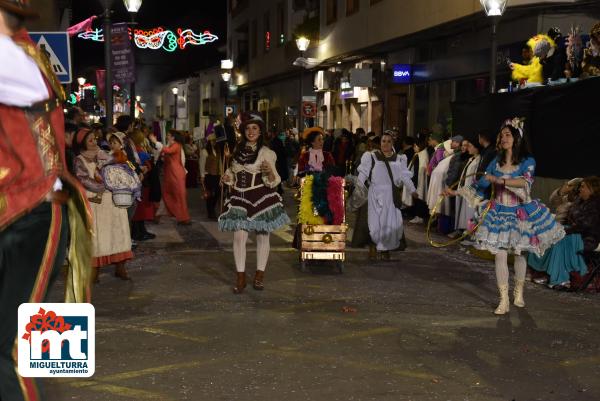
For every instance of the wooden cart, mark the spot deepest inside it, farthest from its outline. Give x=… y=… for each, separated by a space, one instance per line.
x=323 y=242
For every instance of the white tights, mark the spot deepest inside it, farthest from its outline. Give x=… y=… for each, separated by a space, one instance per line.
x=502 y=268
x=239 y=250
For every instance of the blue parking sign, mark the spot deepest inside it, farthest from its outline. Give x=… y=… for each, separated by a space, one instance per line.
x=57 y=48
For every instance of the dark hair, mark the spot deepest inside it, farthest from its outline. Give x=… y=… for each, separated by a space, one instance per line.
x=311 y=137
x=475 y=143
x=519 y=148
x=123 y=122
x=408 y=140
x=488 y=136
x=78 y=147
x=14 y=22
x=241 y=145
x=593 y=184
x=177 y=136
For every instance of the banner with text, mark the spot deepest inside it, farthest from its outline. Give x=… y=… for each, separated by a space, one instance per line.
x=122 y=60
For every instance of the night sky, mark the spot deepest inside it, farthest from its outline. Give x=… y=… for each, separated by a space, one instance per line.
x=155 y=66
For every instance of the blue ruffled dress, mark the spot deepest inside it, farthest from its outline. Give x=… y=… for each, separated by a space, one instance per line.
x=515 y=222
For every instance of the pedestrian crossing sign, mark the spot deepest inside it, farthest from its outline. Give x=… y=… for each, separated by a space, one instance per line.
x=56 y=46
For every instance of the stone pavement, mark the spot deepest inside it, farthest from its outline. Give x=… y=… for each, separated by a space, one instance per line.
x=419 y=327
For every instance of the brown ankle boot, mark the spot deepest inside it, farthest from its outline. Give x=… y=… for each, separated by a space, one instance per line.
x=258 y=280
x=121 y=271
x=372 y=252
x=240 y=283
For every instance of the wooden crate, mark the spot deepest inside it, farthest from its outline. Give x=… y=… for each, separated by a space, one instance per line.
x=314 y=242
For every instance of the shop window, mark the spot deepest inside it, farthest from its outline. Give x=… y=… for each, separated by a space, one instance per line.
x=331 y=11
x=352 y=6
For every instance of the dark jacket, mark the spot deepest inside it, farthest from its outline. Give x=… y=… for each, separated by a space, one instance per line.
x=584 y=219
x=281 y=164
x=457 y=164
x=487 y=156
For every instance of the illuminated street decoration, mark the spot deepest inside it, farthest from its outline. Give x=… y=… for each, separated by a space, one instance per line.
x=158 y=38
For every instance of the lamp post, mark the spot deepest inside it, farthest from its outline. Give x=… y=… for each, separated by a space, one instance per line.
x=302 y=44
x=107 y=60
x=133 y=6
x=175 y=90
x=493 y=9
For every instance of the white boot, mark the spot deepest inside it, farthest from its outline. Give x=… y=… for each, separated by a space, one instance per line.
x=518 y=293
x=504 y=305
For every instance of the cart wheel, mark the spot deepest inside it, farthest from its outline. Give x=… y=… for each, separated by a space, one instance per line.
x=340 y=266
x=303 y=266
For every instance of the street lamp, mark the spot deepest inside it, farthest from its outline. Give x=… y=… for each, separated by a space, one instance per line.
x=107 y=58
x=226 y=76
x=493 y=9
x=175 y=91
x=302 y=44
x=133 y=6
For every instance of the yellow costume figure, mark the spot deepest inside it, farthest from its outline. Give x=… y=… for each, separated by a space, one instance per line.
x=542 y=46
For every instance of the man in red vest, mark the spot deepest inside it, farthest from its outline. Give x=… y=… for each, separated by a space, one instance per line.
x=35 y=186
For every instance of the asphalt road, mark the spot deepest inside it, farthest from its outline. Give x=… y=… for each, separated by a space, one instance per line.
x=419 y=327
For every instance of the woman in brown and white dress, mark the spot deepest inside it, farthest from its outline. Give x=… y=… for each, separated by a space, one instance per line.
x=112 y=239
x=254 y=204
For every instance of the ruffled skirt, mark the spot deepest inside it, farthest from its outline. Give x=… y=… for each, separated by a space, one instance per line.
x=259 y=209
x=561 y=260
x=528 y=227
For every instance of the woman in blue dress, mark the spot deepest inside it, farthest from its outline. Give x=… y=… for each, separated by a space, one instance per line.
x=582 y=224
x=514 y=223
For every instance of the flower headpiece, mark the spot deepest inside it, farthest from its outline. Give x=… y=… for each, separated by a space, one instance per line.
x=518 y=123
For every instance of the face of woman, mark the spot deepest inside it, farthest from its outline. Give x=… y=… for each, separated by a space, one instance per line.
x=115 y=144
x=317 y=143
x=252 y=132
x=90 y=142
x=387 y=144
x=169 y=138
x=473 y=151
x=506 y=139
x=584 y=191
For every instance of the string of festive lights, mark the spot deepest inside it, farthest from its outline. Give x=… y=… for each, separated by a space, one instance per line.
x=158 y=38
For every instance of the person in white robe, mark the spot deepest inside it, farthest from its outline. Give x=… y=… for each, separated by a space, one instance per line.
x=438 y=180
x=464 y=212
x=384 y=219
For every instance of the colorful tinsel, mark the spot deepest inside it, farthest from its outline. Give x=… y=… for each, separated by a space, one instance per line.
x=335 y=197
x=319 y=198
x=306 y=213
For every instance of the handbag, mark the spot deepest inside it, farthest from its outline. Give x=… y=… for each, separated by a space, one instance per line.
x=360 y=195
x=396 y=190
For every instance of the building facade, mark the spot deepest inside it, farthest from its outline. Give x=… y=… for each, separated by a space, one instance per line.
x=376 y=64
x=261 y=44
x=391 y=64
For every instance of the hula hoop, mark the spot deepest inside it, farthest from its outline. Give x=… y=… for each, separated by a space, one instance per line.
x=467 y=232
